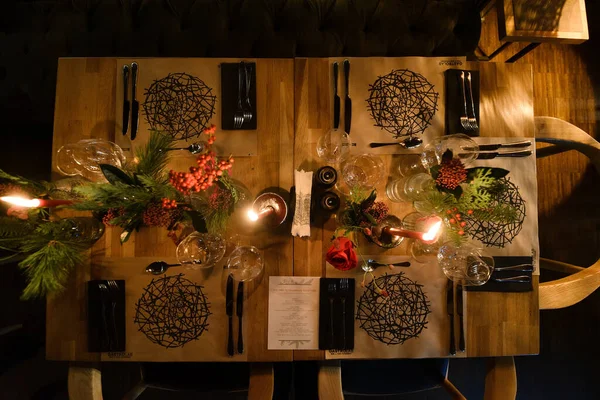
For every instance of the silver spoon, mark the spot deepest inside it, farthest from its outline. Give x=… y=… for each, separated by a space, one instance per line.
x=372 y=264
x=194 y=148
x=159 y=267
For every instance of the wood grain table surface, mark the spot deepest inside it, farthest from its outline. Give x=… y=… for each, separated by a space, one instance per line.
x=294 y=101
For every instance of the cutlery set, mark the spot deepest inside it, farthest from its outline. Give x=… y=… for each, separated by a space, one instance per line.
x=468 y=120
x=347 y=99
x=336 y=314
x=106 y=311
x=511 y=274
x=244 y=105
x=132 y=107
x=239 y=309
x=453 y=296
x=491 y=151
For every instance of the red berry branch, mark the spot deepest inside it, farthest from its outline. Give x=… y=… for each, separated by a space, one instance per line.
x=209 y=170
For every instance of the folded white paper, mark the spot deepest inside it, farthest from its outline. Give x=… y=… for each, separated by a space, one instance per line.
x=303 y=183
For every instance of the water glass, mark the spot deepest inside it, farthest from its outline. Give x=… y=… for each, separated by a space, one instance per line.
x=200 y=250
x=333 y=146
x=461 y=145
x=245 y=263
x=465 y=264
x=362 y=171
x=409 y=188
x=410 y=164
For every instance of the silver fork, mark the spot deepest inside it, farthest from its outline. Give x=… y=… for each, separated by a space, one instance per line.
x=331 y=289
x=248 y=108
x=464 y=119
x=520 y=279
x=103 y=293
x=238 y=116
x=472 y=120
x=115 y=288
x=344 y=286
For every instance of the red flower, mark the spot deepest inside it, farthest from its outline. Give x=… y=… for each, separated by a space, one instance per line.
x=341 y=254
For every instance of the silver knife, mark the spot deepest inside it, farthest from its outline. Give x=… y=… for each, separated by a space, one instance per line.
x=126 y=105
x=347 y=101
x=336 y=97
x=494 y=154
x=135 y=105
x=229 y=312
x=239 y=311
x=496 y=146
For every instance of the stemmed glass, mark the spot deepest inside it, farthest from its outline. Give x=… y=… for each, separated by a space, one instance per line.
x=461 y=145
x=200 y=250
x=84 y=158
x=362 y=171
x=245 y=263
x=333 y=146
x=465 y=264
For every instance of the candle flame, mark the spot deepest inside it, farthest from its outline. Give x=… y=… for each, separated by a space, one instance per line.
x=252 y=215
x=432 y=233
x=21 y=201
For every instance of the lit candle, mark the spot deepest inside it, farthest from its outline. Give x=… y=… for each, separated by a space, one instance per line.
x=33 y=203
x=433 y=225
x=263 y=213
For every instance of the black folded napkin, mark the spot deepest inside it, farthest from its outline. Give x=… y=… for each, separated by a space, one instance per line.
x=454 y=101
x=493 y=286
x=229 y=95
x=336 y=302
x=106 y=332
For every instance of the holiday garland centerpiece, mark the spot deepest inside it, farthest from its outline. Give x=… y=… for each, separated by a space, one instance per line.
x=466 y=195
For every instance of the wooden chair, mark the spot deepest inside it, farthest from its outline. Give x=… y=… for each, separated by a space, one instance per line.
x=563 y=292
x=383 y=377
x=85 y=382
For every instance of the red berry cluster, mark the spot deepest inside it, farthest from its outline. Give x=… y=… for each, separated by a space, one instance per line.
x=455 y=219
x=210 y=168
x=169 y=204
x=156 y=215
x=111 y=214
x=451 y=174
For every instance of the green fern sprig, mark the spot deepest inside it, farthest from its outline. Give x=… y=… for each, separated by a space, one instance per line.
x=153 y=157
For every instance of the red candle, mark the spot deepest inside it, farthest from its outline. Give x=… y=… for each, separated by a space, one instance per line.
x=434 y=225
x=403 y=232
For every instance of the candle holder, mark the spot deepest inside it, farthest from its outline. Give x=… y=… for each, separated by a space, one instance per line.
x=380 y=234
x=270 y=208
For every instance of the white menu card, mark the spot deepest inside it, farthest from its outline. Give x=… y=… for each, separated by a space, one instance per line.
x=293 y=313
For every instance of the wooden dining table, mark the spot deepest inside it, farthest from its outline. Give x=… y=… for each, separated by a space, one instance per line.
x=294 y=105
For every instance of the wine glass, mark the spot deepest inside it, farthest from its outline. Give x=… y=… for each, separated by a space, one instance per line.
x=362 y=171
x=410 y=164
x=465 y=263
x=85 y=156
x=200 y=250
x=462 y=146
x=245 y=263
x=333 y=146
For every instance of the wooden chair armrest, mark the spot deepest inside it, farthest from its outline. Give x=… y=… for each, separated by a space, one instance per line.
x=330 y=380
x=558 y=266
x=85 y=382
x=500 y=379
x=262 y=381
x=570 y=290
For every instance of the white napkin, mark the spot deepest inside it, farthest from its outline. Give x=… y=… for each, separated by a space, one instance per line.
x=301 y=223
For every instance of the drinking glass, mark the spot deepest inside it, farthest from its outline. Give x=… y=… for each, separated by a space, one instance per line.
x=410 y=164
x=200 y=250
x=333 y=146
x=421 y=251
x=465 y=264
x=84 y=158
x=461 y=145
x=409 y=188
x=245 y=263
x=362 y=171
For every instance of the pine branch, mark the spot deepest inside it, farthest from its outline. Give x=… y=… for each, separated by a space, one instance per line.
x=153 y=157
x=14 y=228
x=48 y=268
